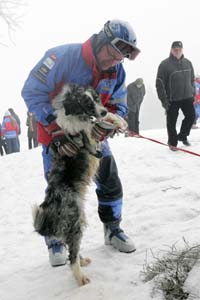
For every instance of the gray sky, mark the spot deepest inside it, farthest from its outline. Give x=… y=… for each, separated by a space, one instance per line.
x=50 y=23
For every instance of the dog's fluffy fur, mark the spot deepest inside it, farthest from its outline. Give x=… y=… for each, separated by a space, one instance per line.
x=62 y=215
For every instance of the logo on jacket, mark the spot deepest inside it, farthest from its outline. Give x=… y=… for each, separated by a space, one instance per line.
x=49 y=62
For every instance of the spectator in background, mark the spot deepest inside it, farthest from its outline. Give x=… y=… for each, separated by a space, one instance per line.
x=13 y=113
x=10 y=131
x=32 y=130
x=3 y=146
x=197 y=101
x=175 y=89
x=135 y=96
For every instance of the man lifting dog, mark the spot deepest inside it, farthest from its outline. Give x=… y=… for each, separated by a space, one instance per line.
x=97 y=63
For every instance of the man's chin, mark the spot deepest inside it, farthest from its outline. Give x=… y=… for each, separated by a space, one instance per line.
x=105 y=68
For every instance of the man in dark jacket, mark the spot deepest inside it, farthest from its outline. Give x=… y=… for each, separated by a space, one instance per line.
x=175 y=89
x=135 y=96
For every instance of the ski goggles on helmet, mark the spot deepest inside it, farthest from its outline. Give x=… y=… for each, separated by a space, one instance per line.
x=124 y=48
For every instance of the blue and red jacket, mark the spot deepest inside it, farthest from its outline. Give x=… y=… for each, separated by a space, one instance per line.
x=71 y=63
x=9 y=129
x=197 y=91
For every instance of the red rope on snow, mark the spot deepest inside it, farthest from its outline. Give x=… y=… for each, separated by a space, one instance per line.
x=158 y=142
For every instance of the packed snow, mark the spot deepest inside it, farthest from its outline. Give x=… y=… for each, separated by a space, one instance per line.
x=161 y=208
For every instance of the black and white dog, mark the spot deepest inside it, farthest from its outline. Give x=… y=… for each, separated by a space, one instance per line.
x=62 y=215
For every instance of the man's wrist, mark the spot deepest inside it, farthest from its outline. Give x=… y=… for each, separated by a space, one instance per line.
x=50 y=118
x=52 y=127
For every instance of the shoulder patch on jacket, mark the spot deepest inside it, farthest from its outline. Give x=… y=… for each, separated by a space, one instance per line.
x=49 y=62
x=45 y=68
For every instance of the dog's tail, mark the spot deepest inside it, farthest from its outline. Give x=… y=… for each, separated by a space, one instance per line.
x=38 y=217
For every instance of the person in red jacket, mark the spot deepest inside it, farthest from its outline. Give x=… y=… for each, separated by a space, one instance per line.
x=196 y=100
x=16 y=117
x=10 y=131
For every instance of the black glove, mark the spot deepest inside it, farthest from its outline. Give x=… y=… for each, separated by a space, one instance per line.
x=102 y=130
x=166 y=105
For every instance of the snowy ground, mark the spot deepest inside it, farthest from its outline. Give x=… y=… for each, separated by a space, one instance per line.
x=161 y=206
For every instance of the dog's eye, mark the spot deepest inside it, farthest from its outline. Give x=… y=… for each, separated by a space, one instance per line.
x=88 y=103
x=88 y=106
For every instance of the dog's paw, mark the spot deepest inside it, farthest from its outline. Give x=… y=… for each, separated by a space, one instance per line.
x=80 y=277
x=84 y=280
x=116 y=120
x=85 y=261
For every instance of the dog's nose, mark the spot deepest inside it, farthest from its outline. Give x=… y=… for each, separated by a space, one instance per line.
x=103 y=113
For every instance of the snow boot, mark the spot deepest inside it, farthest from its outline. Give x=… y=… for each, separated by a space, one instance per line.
x=118 y=239
x=57 y=252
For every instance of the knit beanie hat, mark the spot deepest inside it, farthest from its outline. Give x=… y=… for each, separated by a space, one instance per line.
x=139 y=82
x=7 y=113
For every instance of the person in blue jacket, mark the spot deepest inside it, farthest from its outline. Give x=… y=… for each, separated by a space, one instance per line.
x=10 y=131
x=98 y=63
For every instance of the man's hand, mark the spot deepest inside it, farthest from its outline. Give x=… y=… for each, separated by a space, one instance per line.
x=166 y=105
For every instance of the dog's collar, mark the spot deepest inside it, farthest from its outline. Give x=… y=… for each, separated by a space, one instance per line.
x=85 y=118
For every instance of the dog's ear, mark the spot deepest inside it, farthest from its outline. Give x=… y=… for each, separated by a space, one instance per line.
x=58 y=100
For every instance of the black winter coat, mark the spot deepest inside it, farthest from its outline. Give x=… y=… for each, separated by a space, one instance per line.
x=175 y=80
